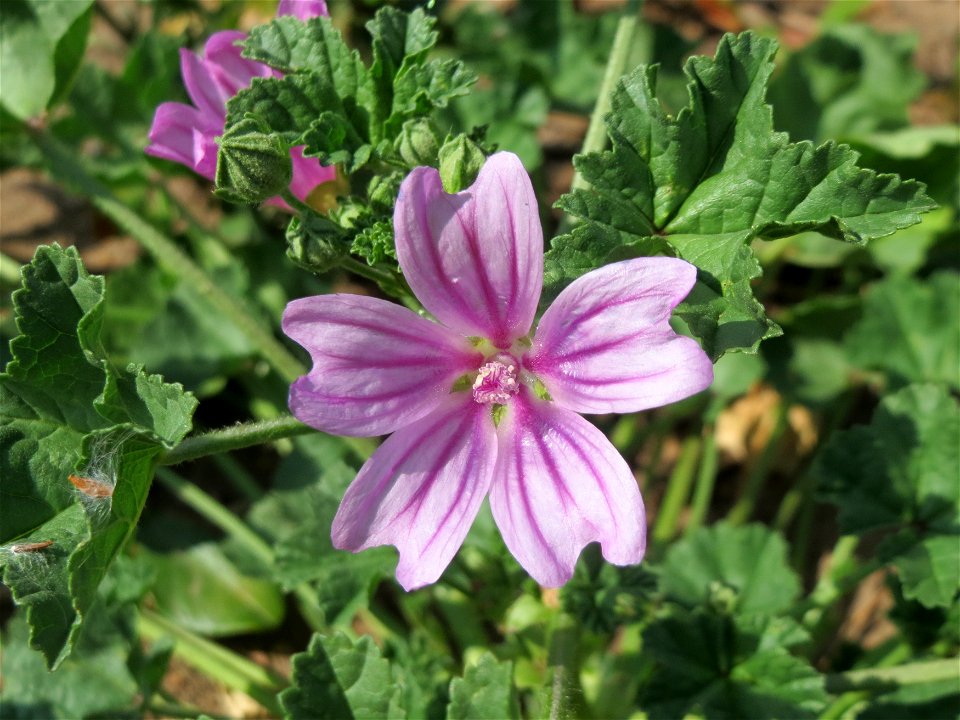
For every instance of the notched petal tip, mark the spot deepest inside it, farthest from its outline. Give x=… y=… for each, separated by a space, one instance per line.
x=559 y=485
x=420 y=491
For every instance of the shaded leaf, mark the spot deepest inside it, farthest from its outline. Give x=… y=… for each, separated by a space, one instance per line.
x=341 y=680
x=910 y=329
x=749 y=560
x=484 y=691
x=713 y=666
x=900 y=473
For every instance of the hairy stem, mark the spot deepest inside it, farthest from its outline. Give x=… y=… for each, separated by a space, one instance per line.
x=235 y=437
x=168 y=255
x=216 y=661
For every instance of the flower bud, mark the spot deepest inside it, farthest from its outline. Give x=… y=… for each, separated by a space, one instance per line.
x=252 y=165
x=460 y=161
x=419 y=143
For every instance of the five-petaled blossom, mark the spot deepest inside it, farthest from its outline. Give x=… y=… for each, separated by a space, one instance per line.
x=187 y=134
x=477 y=406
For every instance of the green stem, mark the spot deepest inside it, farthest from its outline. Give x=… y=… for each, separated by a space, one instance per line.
x=706 y=477
x=566 y=695
x=743 y=509
x=596 y=137
x=213 y=511
x=389 y=282
x=296 y=203
x=848 y=700
x=678 y=490
x=235 y=437
x=216 y=661
x=886 y=679
x=216 y=513
x=169 y=256
x=238 y=476
x=9 y=270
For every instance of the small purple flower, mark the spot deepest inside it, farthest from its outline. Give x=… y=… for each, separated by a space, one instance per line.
x=187 y=135
x=475 y=404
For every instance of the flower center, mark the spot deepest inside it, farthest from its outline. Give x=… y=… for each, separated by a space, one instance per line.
x=496 y=381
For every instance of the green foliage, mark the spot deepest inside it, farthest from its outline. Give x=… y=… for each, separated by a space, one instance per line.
x=104 y=673
x=339 y=679
x=296 y=517
x=484 y=691
x=716 y=666
x=330 y=99
x=703 y=184
x=372 y=121
x=201 y=590
x=910 y=330
x=42 y=46
x=67 y=411
x=460 y=162
x=900 y=473
x=253 y=165
x=743 y=567
x=849 y=81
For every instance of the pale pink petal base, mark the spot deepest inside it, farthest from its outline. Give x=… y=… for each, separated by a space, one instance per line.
x=377 y=366
x=606 y=345
x=421 y=490
x=558 y=485
x=474 y=259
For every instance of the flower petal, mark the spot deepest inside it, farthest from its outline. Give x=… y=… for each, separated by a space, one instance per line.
x=421 y=490
x=302 y=9
x=229 y=70
x=172 y=133
x=308 y=173
x=474 y=259
x=203 y=88
x=606 y=345
x=558 y=485
x=376 y=366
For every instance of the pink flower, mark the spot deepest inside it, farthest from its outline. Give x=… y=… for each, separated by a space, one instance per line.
x=187 y=135
x=476 y=406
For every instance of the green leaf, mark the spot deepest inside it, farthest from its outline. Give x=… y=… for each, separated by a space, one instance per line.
x=484 y=691
x=900 y=473
x=95 y=682
x=341 y=680
x=749 y=560
x=315 y=46
x=40 y=39
x=711 y=665
x=705 y=183
x=58 y=315
x=910 y=329
x=67 y=411
x=201 y=590
x=296 y=517
x=849 y=81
